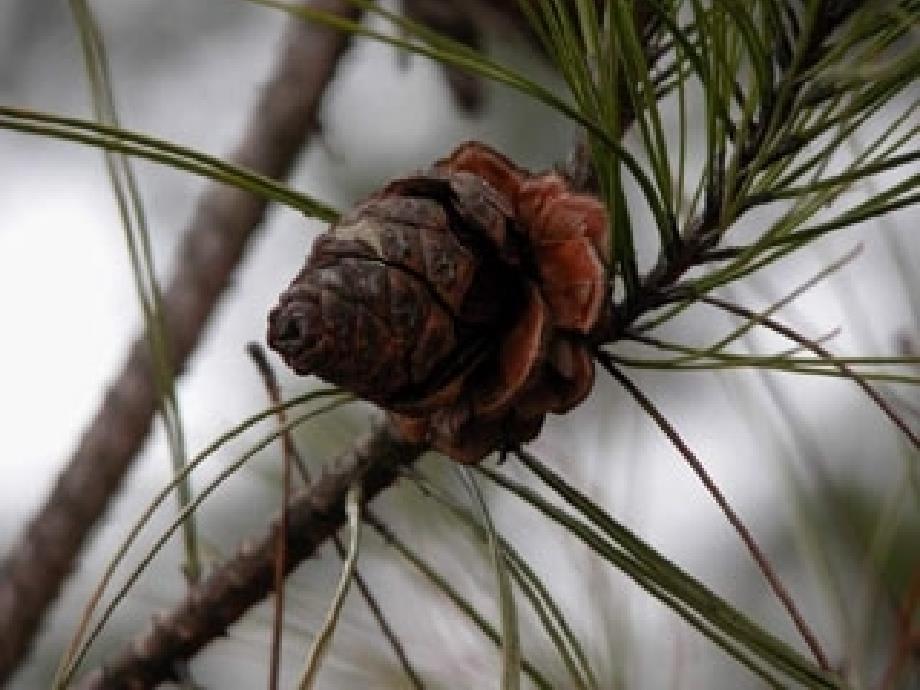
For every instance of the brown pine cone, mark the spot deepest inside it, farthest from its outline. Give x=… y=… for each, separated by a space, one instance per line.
x=459 y=299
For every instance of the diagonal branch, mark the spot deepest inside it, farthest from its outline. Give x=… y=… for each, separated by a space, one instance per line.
x=215 y=240
x=211 y=606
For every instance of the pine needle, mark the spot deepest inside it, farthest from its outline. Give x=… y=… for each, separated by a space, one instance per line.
x=323 y=639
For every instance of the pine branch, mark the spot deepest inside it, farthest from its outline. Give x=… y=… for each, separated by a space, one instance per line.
x=736 y=162
x=219 y=600
x=315 y=515
x=225 y=219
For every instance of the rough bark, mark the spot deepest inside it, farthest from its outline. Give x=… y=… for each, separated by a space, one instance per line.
x=211 y=606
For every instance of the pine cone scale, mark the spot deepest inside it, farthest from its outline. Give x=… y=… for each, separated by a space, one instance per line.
x=431 y=254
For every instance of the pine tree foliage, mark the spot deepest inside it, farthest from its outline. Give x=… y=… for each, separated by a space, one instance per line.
x=778 y=88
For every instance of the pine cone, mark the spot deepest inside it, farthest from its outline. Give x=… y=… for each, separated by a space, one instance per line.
x=460 y=300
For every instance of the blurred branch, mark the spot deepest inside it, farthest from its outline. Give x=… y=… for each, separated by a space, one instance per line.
x=215 y=240
x=210 y=607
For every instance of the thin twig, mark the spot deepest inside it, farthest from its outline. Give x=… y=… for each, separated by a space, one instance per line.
x=219 y=600
x=257 y=353
x=823 y=353
x=772 y=578
x=283 y=118
x=280 y=557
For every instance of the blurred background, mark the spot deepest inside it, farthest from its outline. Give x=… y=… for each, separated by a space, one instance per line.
x=815 y=470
